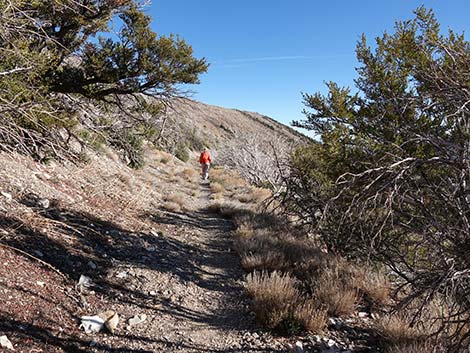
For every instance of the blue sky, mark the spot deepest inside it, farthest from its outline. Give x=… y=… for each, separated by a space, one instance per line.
x=264 y=53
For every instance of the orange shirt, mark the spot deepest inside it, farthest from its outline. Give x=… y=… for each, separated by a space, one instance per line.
x=205 y=158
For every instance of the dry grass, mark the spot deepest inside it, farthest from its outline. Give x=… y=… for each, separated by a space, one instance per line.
x=189 y=174
x=334 y=289
x=272 y=297
x=310 y=317
x=172 y=206
x=373 y=285
x=227 y=209
x=417 y=347
x=260 y=194
x=217 y=187
x=174 y=201
x=396 y=330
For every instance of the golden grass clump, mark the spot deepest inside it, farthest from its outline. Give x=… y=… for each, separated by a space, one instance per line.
x=189 y=174
x=174 y=201
x=312 y=318
x=396 y=329
x=333 y=289
x=260 y=194
x=216 y=187
x=172 y=206
x=426 y=346
x=272 y=296
x=374 y=286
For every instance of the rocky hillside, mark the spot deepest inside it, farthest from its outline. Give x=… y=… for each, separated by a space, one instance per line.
x=198 y=124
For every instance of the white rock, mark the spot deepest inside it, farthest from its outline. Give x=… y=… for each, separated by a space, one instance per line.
x=122 y=274
x=40 y=283
x=8 y=196
x=92 y=324
x=5 y=343
x=331 y=343
x=298 y=347
x=362 y=314
x=44 y=203
x=85 y=282
x=137 y=319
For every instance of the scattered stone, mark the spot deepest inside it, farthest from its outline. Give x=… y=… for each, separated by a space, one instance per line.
x=92 y=324
x=154 y=233
x=122 y=274
x=40 y=283
x=330 y=343
x=362 y=314
x=84 y=283
x=93 y=343
x=298 y=347
x=8 y=196
x=38 y=253
x=5 y=342
x=44 y=203
x=111 y=320
x=137 y=319
x=153 y=293
x=92 y=265
x=95 y=323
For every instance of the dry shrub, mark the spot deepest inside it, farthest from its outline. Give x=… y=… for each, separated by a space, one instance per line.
x=171 y=206
x=189 y=175
x=176 y=198
x=227 y=209
x=217 y=197
x=396 y=329
x=417 y=347
x=268 y=260
x=373 y=285
x=260 y=194
x=335 y=292
x=216 y=188
x=272 y=297
x=312 y=318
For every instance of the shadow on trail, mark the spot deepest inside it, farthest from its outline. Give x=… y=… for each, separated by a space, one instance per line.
x=79 y=243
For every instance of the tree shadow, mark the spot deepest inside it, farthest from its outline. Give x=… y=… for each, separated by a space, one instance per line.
x=78 y=243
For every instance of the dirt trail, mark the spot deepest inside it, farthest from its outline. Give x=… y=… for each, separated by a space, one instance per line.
x=183 y=277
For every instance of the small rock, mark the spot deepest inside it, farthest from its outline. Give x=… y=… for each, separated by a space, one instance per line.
x=153 y=293
x=137 y=319
x=111 y=320
x=92 y=324
x=362 y=314
x=5 y=342
x=330 y=343
x=93 y=343
x=8 y=196
x=38 y=253
x=92 y=265
x=122 y=274
x=154 y=233
x=85 y=282
x=44 y=203
x=40 y=283
x=298 y=347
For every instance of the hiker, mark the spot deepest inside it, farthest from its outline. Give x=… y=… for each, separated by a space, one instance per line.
x=205 y=160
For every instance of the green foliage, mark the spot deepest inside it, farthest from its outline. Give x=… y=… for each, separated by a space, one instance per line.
x=182 y=152
x=53 y=67
x=388 y=180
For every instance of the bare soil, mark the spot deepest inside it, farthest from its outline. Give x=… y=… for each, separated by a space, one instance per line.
x=177 y=268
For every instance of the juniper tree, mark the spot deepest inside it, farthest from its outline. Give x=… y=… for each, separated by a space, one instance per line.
x=57 y=56
x=389 y=179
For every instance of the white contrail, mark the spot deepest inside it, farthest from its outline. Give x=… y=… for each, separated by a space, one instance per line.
x=277 y=58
